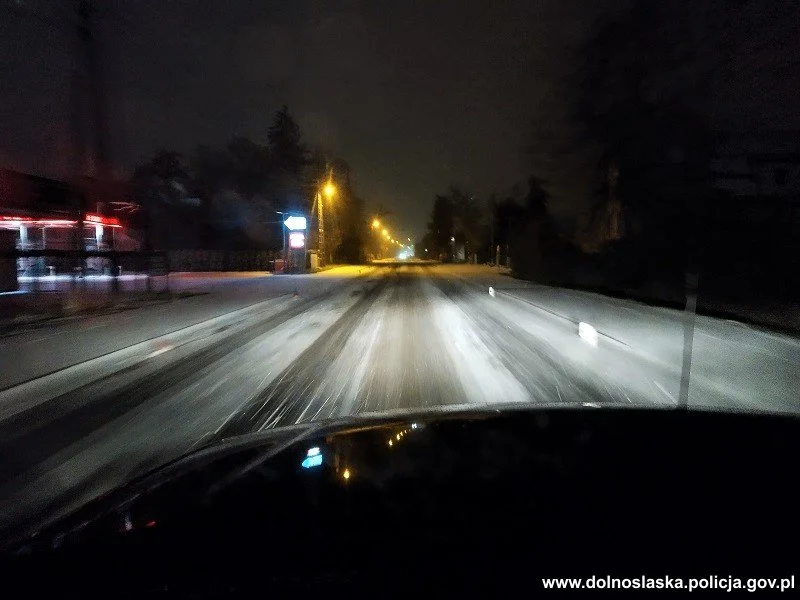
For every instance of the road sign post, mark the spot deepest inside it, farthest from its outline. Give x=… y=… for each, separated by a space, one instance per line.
x=297 y=226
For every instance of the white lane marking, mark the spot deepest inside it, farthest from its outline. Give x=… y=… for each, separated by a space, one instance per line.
x=159 y=351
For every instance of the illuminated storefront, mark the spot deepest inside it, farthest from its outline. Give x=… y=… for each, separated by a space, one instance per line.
x=58 y=234
x=43 y=213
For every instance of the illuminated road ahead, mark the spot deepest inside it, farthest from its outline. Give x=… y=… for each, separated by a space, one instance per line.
x=347 y=341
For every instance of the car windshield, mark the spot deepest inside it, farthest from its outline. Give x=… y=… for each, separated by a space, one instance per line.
x=221 y=218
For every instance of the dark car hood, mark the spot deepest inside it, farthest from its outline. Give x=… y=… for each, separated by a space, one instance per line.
x=451 y=487
x=219 y=462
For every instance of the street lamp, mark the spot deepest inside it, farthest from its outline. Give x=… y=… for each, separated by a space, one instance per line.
x=375 y=223
x=328 y=190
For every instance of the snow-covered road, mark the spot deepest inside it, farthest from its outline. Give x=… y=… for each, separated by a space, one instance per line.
x=90 y=403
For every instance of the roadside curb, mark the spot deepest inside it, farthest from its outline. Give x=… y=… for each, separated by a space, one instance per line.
x=39 y=390
x=67 y=309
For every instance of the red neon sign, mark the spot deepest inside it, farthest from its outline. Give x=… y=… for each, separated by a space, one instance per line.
x=101 y=220
x=89 y=218
x=43 y=222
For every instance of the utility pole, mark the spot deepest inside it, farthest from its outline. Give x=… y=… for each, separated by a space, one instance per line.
x=320 y=229
x=78 y=123
x=492 y=215
x=89 y=122
x=329 y=190
x=96 y=90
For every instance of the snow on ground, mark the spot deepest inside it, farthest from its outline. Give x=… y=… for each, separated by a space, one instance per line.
x=30 y=352
x=351 y=340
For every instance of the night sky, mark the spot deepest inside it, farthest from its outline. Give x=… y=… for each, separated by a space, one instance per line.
x=416 y=95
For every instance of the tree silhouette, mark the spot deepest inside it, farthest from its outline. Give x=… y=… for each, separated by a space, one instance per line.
x=287 y=151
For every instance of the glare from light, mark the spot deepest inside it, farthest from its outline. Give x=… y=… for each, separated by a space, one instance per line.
x=408 y=238
x=313 y=451
x=385 y=231
x=297 y=240
x=587 y=333
x=398 y=436
x=391 y=443
x=453 y=239
x=312 y=461
x=329 y=190
x=414 y=426
x=375 y=223
x=346 y=474
x=491 y=291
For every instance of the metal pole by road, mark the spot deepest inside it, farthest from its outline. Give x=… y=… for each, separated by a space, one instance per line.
x=283 y=247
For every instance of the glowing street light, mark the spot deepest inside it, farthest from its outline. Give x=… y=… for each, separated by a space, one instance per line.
x=328 y=190
x=375 y=223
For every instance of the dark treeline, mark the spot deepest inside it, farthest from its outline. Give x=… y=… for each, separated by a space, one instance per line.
x=231 y=198
x=652 y=164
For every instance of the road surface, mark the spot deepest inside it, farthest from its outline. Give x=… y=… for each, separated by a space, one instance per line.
x=89 y=403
